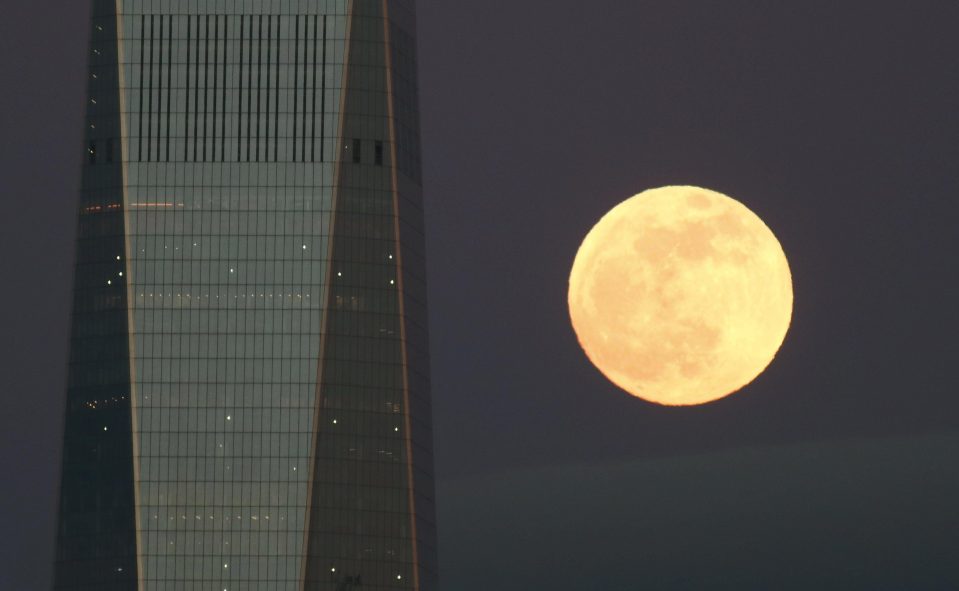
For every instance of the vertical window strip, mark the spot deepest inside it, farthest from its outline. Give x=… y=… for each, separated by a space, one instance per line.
x=169 y=84
x=152 y=47
x=313 y=110
x=276 y=95
x=196 y=93
x=259 y=87
x=186 y=97
x=249 y=91
x=269 y=73
x=323 y=99
x=226 y=65
x=216 y=80
x=143 y=20
x=206 y=88
x=306 y=74
x=239 y=94
x=159 y=75
x=296 y=82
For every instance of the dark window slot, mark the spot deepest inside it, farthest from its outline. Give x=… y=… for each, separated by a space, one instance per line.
x=357 y=151
x=269 y=73
x=226 y=65
x=306 y=71
x=239 y=96
x=92 y=153
x=196 y=94
x=276 y=97
x=169 y=83
x=249 y=91
x=259 y=86
x=313 y=107
x=378 y=153
x=186 y=97
x=296 y=83
x=216 y=79
x=206 y=88
x=150 y=91
x=109 y=153
x=143 y=26
x=323 y=99
x=159 y=73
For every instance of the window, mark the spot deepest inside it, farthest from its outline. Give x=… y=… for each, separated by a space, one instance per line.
x=92 y=153
x=357 y=148
x=378 y=153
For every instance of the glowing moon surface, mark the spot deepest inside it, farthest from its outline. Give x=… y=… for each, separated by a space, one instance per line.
x=680 y=295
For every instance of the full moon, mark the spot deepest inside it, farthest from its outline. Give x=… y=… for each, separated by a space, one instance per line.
x=680 y=295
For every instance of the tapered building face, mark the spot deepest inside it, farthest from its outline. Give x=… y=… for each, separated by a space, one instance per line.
x=248 y=402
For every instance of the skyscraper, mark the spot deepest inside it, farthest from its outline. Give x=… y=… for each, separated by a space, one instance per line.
x=248 y=401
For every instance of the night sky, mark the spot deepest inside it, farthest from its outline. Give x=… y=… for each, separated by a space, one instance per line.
x=837 y=123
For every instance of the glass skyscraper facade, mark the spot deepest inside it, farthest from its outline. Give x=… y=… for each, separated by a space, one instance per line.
x=248 y=401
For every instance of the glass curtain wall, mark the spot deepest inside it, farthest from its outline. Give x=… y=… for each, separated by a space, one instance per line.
x=248 y=402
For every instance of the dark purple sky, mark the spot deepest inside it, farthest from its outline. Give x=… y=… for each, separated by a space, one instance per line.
x=837 y=123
